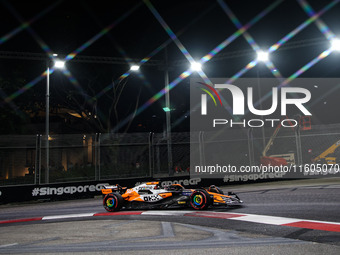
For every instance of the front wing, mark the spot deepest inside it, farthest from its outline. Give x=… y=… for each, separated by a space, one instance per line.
x=225 y=200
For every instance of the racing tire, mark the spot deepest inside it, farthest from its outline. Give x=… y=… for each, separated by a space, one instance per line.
x=200 y=200
x=113 y=202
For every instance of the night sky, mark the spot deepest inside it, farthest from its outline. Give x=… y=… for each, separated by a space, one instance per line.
x=224 y=35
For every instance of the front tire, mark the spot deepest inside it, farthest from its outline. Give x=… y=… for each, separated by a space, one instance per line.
x=113 y=202
x=200 y=200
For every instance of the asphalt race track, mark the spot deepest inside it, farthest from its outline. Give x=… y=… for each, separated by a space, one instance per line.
x=292 y=217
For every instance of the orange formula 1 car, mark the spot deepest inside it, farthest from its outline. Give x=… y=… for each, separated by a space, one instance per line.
x=151 y=195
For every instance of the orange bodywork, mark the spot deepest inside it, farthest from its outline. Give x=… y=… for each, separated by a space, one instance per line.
x=106 y=191
x=218 y=197
x=152 y=183
x=131 y=195
x=165 y=195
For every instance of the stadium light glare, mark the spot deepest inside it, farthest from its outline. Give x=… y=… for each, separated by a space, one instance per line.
x=262 y=56
x=134 y=68
x=335 y=44
x=196 y=66
x=59 y=64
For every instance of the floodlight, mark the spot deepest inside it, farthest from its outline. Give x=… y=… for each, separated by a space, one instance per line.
x=335 y=44
x=262 y=56
x=134 y=68
x=60 y=64
x=196 y=66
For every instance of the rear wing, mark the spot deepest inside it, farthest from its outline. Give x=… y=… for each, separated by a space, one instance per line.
x=112 y=188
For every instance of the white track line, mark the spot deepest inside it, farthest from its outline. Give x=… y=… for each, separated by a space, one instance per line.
x=167 y=213
x=8 y=245
x=263 y=219
x=56 y=217
x=273 y=220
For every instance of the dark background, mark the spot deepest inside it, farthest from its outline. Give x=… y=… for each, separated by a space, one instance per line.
x=128 y=30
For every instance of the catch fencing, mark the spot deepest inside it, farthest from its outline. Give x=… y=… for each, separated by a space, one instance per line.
x=95 y=157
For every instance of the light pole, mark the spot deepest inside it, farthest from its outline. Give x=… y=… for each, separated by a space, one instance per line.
x=167 y=110
x=60 y=65
x=261 y=57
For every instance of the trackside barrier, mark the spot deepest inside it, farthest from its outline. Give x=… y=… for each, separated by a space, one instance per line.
x=76 y=190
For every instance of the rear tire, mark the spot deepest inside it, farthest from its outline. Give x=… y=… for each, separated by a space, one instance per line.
x=113 y=202
x=200 y=200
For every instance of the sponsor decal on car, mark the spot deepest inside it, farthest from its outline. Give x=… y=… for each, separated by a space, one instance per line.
x=152 y=198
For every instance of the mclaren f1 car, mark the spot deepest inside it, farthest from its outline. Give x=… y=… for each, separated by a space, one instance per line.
x=151 y=195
